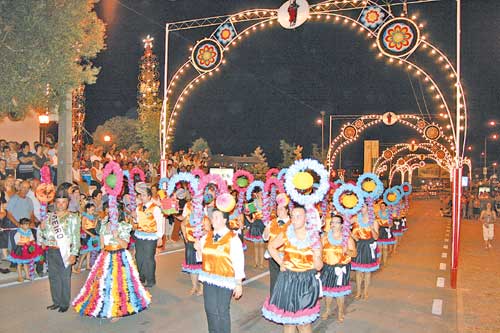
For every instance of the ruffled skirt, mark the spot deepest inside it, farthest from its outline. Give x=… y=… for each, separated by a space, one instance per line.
x=25 y=254
x=90 y=244
x=254 y=231
x=295 y=299
x=367 y=259
x=397 y=228
x=385 y=236
x=404 y=225
x=335 y=280
x=113 y=288
x=190 y=264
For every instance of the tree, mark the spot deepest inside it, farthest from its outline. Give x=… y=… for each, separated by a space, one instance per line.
x=287 y=153
x=297 y=152
x=259 y=170
x=123 y=132
x=316 y=152
x=46 y=50
x=149 y=103
x=200 y=144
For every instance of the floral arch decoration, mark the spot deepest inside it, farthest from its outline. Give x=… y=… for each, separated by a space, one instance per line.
x=399 y=40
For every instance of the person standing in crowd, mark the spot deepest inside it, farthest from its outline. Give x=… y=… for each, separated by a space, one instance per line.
x=39 y=160
x=488 y=217
x=10 y=156
x=223 y=264
x=295 y=299
x=148 y=234
x=3 y=169
x=385 y=239
x=365 y=232
x=60 y=234
x=89 y=239
x=336 y=273
x=277 y=226
x=255 y=228
x=26 y=159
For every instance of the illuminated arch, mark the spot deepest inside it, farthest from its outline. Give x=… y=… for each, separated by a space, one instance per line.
x=347 y=12
x=411 y=162
x=393 y=153
x=350 y=132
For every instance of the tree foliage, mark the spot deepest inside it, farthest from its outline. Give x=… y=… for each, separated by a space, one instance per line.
x=200 y=144
x=287 y=153
x=122 y=130
x=46 y=42
x=259 y=170
x=316 y=152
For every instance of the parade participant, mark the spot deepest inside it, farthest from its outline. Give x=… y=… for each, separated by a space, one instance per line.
x=277 y=226
x=365 y=233
x=191 y=265
x=89 y=240
x=60 y=233
x=295 y=299
x=26 y=251
x=222 y=272
x=397 y=227
x=255 y=228
x=385 y=238
x=335 y=276
x=148 y=235
x=113 y=288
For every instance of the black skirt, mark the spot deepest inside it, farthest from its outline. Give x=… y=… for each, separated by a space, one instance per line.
x=367 y=259
x=336 y=280
x=190 y=264
x=295 y=299
x=254 y=231
x=84 y=240
x=385 y=236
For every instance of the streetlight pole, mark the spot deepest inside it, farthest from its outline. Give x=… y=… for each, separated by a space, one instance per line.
x=485 y=168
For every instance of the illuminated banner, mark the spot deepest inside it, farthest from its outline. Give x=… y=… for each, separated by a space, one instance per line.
x=225 y=173
x=432 y=171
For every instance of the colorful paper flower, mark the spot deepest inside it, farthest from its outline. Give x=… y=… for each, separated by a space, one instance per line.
x=348 y=199
x=319 y=193
x=239 y=174
x=207 y=55
x=371 y=185
x=392 y=196
x=398 y=37
x=182 y=177
x=372 y=17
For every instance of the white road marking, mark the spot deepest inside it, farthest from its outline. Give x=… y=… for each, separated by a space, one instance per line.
x=444 y=255
x=255 y=278
x=15 y=283
x=437 y=307
x=442 y=266
x=170 y=252
x=445 y=246
x=440 y=282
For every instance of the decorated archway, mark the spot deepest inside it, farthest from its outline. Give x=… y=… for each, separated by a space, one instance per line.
x=392 y=154
x=350 y=132
x=399 y=39
x=405 y=166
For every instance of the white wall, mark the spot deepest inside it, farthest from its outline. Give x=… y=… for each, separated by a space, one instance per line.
x=23 y=130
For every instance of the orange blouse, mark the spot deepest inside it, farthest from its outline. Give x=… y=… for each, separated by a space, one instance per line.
x=295 y=259
x=359 y=231
x=334 y=254
x=216 y=257
x=88 y=223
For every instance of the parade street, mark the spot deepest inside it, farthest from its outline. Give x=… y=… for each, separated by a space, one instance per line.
x=402 y=298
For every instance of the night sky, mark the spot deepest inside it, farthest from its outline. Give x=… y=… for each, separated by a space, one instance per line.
x=275 y=83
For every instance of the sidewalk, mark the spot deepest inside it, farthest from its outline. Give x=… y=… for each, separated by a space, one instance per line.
x=478 y=289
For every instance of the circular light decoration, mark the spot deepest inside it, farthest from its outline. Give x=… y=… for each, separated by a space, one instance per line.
x=372 y=17
x=401 y=161
x=392 y=196
x=440 y=154
x=371 y=185
x=388 y=154
x=225 y=33
x=206 y=55
x=293 y=13
x=349 y=132
x=389 y=118
x=348 y=199
x=398 y=37
x=432 y=132
x=421 y=124
x=359 y=123
x=406 y=188
x=299 y=167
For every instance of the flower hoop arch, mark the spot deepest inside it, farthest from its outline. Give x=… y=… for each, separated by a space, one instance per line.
x=220 y=184
x=393 y=190
x=113 y=168
x=300 y=166
x=240 y=174
x=379 y=187
x=137 y=171
x=273 y=172
x=406 y=188
x=344 y=189
x=182 y=177
x=282 y=173
x=163 y=183
x=198 y=173
x=255 y=184
x=271 y=186
x=274 y=182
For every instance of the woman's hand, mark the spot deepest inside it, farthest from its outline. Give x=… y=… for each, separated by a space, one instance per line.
x=238 y=291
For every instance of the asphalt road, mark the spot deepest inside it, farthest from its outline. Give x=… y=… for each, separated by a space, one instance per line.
x=401 y=295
